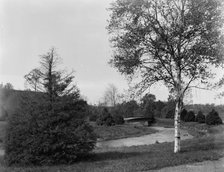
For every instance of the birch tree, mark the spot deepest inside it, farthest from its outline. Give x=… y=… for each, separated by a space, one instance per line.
x=170 y=41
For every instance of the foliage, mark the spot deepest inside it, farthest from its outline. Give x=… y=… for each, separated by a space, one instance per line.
x=3 y=114
x=169 y=109
x=39 y=136
x=105 y=118
x=125 y=109
x=183 y=114
x=148 y=111
x=168 y=41
x=190 y=116
x=213 y=118
x=49 y=127
x=148 y=107
x=159 y=105
x=118 y=119
x=200 y=117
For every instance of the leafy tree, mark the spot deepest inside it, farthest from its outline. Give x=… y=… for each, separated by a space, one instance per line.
x=172 y=41
x=190 y=116
x=148 y=107
x=200 y=117
x=159 y=105
x=9 y=86
x=105 y=118
x=129 y=108
x=183 y=114
x=118 y=119
x=213 y=118
x=147 y=98
x=33 y=80
x=169 y=110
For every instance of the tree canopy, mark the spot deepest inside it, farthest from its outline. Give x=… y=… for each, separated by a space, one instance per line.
x=164 y=39
x=172 y=41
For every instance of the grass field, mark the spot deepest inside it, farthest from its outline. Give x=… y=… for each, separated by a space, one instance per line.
x=121 y=131
x=139 y=158
x=142 y=158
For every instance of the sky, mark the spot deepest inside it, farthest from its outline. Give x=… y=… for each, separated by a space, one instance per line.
x=77 y=29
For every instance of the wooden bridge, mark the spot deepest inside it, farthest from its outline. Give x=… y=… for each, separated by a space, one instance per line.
x=136 y=119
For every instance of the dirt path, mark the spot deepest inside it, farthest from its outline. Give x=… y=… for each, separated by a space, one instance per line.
x=163 y=135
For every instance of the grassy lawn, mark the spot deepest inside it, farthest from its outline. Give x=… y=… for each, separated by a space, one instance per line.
x=121 y=131
x=139 y=158
x=164 y=122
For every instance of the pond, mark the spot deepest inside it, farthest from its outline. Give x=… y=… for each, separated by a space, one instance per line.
x=163 y=135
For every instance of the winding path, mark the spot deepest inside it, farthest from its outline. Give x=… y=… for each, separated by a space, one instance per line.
x=163 y=135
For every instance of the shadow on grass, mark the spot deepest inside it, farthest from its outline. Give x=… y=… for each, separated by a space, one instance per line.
x=114 y=155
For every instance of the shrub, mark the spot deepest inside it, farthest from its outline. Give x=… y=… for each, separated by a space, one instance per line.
x=117 y=114
x=118 y=119
x=148 y=112
x=213 y=118
x=190 y=116
x=200 y=117
x=169 y=110
x=183 y=114
x=105 y=118
x=38 y=136
x=3 y=114
x=170 y=114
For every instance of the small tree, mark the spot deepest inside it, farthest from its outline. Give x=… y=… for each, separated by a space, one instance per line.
x=118 y=119
x=148 y=107
x=105 y=118
x=33 y=80
x=183 y=114
x=190 y=116
x=111 y=95
x=9 y=86
x=200 y=117
x=213 y=118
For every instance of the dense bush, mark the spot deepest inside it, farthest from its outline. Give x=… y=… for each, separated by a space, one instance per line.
x=190 y=116
x=169 y=110
x=118 y=119
x=183 y=114
x=213 y=118
x=148 y=112
x=105 y=118
x=170 y=113
x=93 y=112
x=38 y=136
x=200 y=117
x=3 y=114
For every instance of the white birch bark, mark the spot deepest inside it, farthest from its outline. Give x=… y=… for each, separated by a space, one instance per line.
x=179 y=101
x=177 y=127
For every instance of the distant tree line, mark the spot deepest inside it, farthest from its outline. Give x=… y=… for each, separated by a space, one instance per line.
x=149 y=107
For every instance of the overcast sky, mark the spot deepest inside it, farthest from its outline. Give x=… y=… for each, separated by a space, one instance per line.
x=76 y=28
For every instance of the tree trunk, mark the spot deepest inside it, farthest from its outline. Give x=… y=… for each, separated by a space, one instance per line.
x=177 y=124
x=179 y=103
